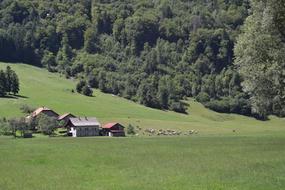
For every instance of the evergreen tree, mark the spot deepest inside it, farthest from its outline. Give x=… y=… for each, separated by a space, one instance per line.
x=80 y=86
x=2 y=83
x=9 y=76
x=87 y=91
x=14 y=83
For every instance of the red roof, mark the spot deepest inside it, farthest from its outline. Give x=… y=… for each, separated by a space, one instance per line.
x=109 y=125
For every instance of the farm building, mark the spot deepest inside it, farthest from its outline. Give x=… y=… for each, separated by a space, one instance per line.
x=113 y=130
x=63 y=119
x=83 y=127
x=43 y=110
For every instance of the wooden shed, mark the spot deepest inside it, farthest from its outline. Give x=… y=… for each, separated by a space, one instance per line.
x=113 y=130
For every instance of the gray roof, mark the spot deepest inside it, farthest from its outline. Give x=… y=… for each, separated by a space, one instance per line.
x=85 y=122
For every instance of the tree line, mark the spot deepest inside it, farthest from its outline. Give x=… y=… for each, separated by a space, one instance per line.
x=156 y=53
x=9 y=82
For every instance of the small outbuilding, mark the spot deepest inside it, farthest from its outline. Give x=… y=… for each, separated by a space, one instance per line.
x=83 y=127
x=113 y=130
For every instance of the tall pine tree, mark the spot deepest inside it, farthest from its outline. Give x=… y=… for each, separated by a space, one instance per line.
x=9 y=76
x=14 y=83
x=2 y=83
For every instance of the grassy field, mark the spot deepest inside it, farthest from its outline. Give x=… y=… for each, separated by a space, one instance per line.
x=215 y=159
x=41 y=88
x=165 y=163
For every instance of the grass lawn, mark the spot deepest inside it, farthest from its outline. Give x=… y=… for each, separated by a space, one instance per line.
x=174 y=163
x=214 y=159
x=41 y=88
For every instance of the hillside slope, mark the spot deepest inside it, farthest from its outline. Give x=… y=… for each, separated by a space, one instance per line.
x=41 y=88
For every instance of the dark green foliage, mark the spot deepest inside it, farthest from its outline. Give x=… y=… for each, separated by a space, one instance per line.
x=10 y=127
x=48 y=60
x=4 y=127
x=203 y=97
x=83 y=88
x=9 y=79
x=260 y=57
x=3 y=82
x=18 y=124
x=80 y=86
x=153 y=52
x=177 y=106
x=87 y=91
x=131 y=130
x=46 y=124
x=15 y=83
x=27 y=109
x=9 y=82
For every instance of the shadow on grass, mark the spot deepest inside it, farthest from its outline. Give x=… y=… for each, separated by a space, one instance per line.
x=20 y=96
x=14 y=97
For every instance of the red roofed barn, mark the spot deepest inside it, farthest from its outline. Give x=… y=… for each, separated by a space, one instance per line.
x=113 y=130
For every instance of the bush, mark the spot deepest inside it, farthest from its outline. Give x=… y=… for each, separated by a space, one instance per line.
x=92 y=81
x=222 y=106
x=131 y=130
x=203 y=97
x=230 y=105
x=80 y=85
x=47 y=124
x=87 y=91
x=27 y=109
x=4 y=127
x=18 y=124
x=177 y=107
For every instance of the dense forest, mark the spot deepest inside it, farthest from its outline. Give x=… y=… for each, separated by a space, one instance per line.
x=156 y=52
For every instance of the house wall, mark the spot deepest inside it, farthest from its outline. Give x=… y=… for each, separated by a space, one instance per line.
x=115 y=131
x=85 y=131
x=118 y=134
x=117 y=127
x=73 y=131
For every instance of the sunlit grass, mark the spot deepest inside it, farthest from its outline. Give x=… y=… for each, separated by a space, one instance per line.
x=41 y=88
x=162 y=163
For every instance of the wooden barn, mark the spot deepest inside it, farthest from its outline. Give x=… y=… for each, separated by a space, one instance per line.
x=113 y=130
x=43 y=110
x=63 y=119
x=83 y=127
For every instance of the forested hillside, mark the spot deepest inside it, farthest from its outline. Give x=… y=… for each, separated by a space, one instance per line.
x=152 y=52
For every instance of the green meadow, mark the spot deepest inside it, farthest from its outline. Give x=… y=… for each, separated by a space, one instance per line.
x=41 y=88
x=217 y=158
x=156 y=163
